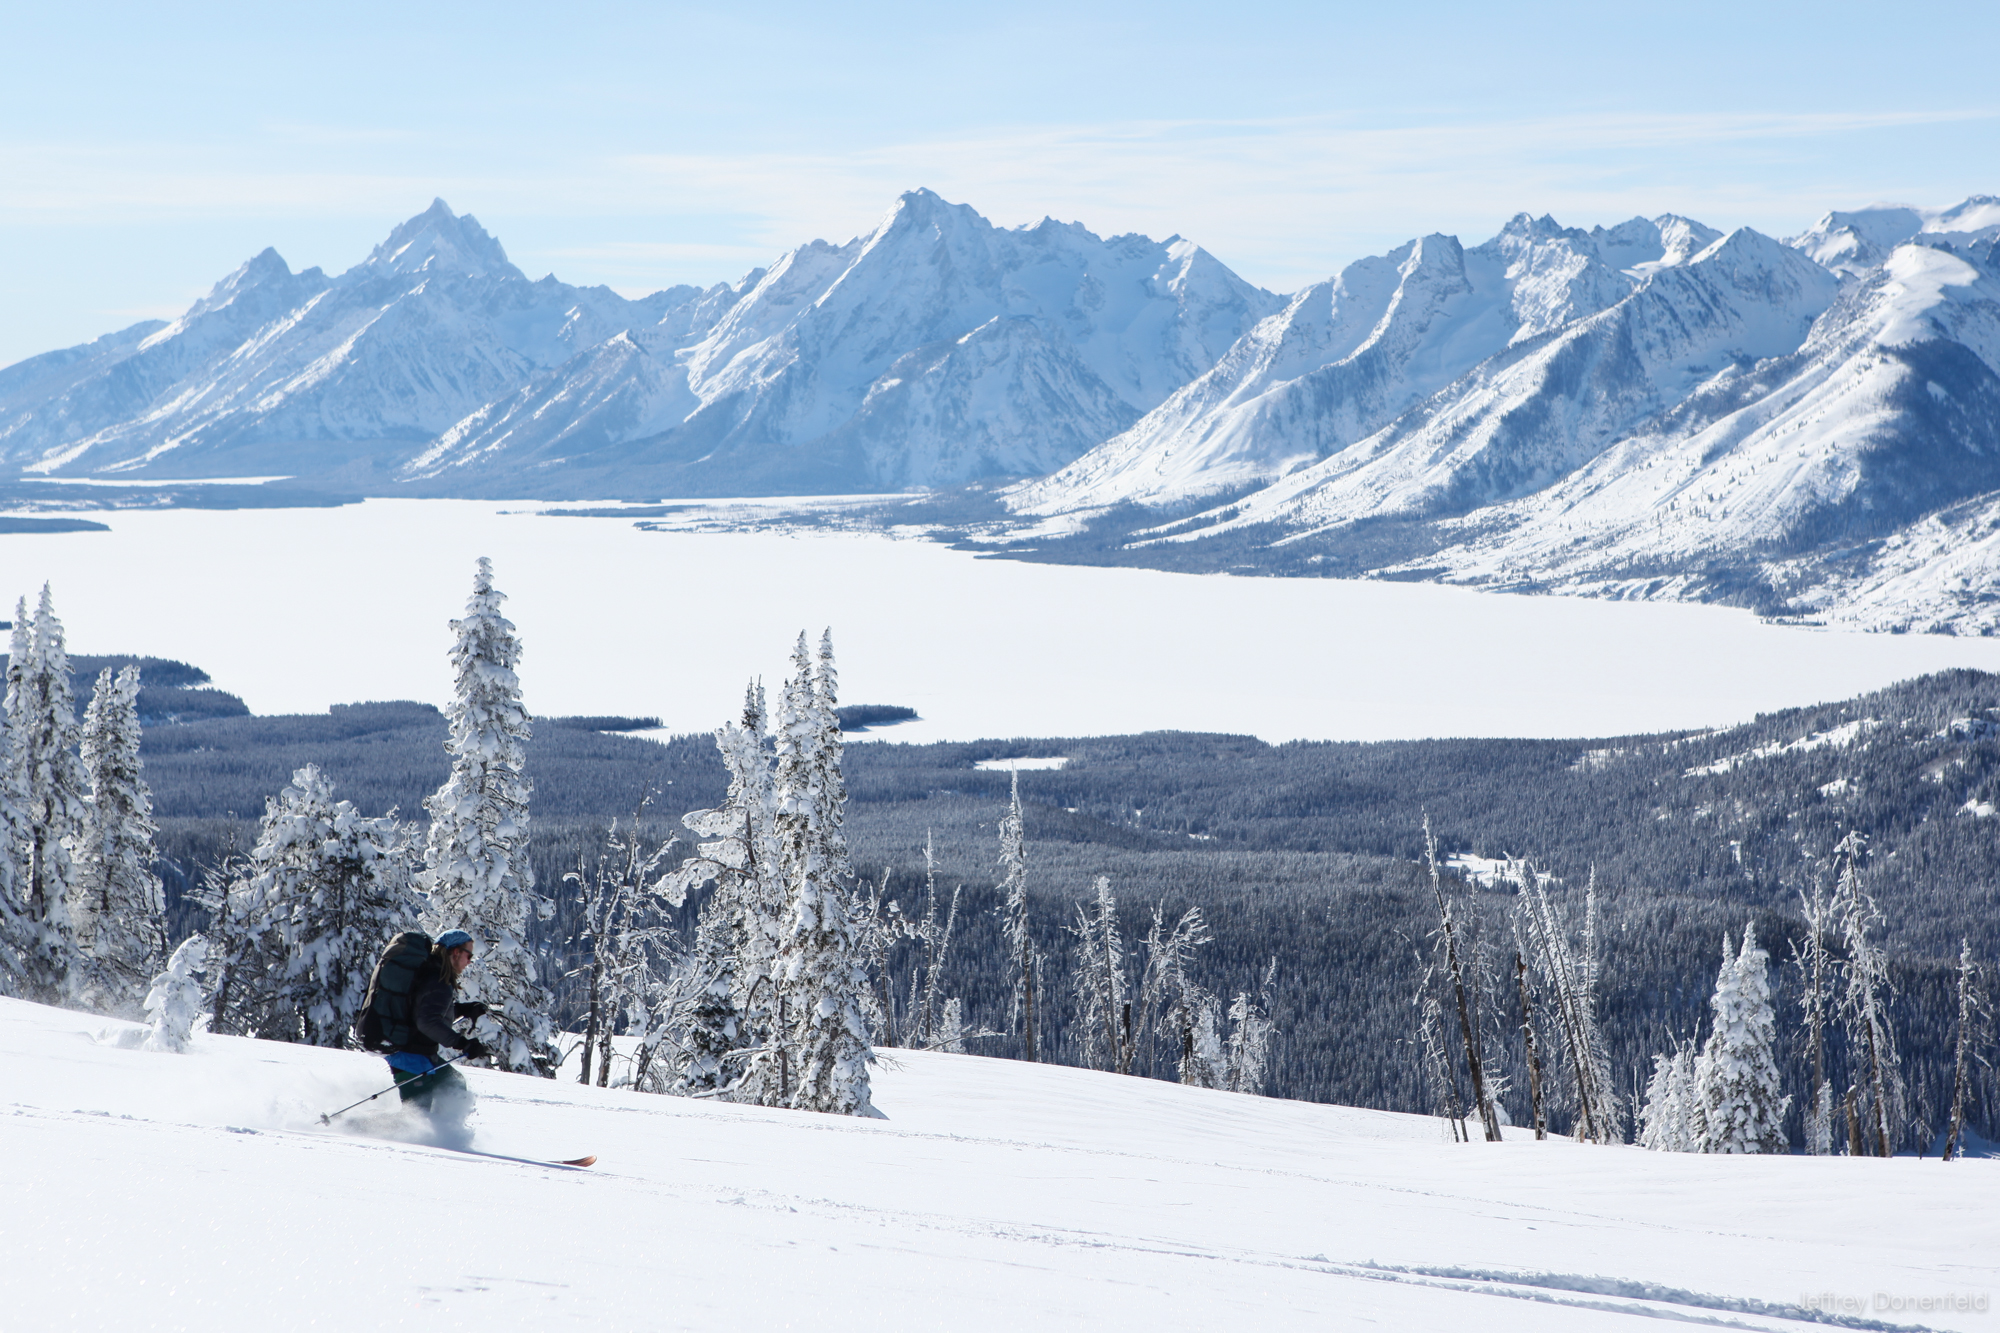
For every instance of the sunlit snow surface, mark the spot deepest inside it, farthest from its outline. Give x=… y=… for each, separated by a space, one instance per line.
x=295 y=609
x=198 y=1191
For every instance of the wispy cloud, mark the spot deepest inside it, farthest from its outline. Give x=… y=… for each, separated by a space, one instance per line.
x=1283 y=200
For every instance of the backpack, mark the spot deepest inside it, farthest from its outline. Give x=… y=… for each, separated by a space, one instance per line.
x=386 y=1020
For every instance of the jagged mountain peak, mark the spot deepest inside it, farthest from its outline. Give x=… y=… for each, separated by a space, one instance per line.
x=1851 y=242
x=267 y=265
x=264 y=280
x=438 y=240
x=1527 y=227
x=1978 y=213
x=1681 y=238
x=1758 y=264
x=927 y=208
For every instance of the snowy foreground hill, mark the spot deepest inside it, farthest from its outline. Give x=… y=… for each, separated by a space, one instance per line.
x=197 y=1191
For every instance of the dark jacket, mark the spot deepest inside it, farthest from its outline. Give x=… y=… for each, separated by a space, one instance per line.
x=432 y=1008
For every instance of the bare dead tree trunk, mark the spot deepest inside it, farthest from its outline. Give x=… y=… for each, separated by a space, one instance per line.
x=604 y=1053
x=1487 y=1118
x=1028 y=970
x=1961 y=1081
x=590 y=1023
x=1813 y=964
x=1534 y=1056
x=784 y=1051
x=1877 y=1086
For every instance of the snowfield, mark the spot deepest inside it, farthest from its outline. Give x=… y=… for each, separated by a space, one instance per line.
x=295 y=609
x=197 y=1191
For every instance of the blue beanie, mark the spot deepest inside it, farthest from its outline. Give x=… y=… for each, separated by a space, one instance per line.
x=452 y=939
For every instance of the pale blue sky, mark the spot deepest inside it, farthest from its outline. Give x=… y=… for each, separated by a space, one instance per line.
x=144 y=153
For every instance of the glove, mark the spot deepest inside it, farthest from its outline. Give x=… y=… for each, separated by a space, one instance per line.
x=469 y=1009
x=475 y=1049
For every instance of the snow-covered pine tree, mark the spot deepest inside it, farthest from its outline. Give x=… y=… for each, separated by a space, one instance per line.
x=1973 y=1016
x=1657 y=1130
x=824 y=984
x=17 y=932
x=41 y=720
x=1251 y=1031
x=1690 y=1117
x=1168 y=995
x=250 y=994
x=1210 y=1052
x=1102 y=1009
x=951 y=1028
x=362 y=896
x=730 y=1005
x=881 y=924
x=1815 y=966
x=242 y=955
x=1876 y=1113
x=1742 y=1108
x=117 y=906
x=176 y=1001
x=477 y=875
x=1672 y=1112
x=1023 y=961
x=622 y=901
x=328 y=886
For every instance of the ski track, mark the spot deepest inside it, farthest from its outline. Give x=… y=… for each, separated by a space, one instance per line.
x=1599 y=1294
x=1626 y=1297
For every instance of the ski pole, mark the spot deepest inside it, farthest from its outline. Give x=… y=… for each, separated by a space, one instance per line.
x=327 y=1118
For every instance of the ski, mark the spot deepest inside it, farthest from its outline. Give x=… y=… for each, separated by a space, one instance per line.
x=566 y=1164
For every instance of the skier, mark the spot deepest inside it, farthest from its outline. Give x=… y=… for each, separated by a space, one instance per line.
x=435 y=1088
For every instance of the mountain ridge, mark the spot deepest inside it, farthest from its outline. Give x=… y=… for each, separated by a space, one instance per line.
x=435 y=366
x=1651 y=409
x=1775 y=424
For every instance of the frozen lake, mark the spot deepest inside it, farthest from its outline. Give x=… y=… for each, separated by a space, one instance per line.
x=295 y=609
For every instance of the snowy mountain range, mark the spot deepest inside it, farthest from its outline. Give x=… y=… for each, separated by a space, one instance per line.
x=936 y=349
x=1654 y=409
x=1657 y=410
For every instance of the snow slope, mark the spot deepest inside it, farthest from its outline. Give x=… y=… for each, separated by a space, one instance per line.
x=934 y=350
x=198 y=1191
